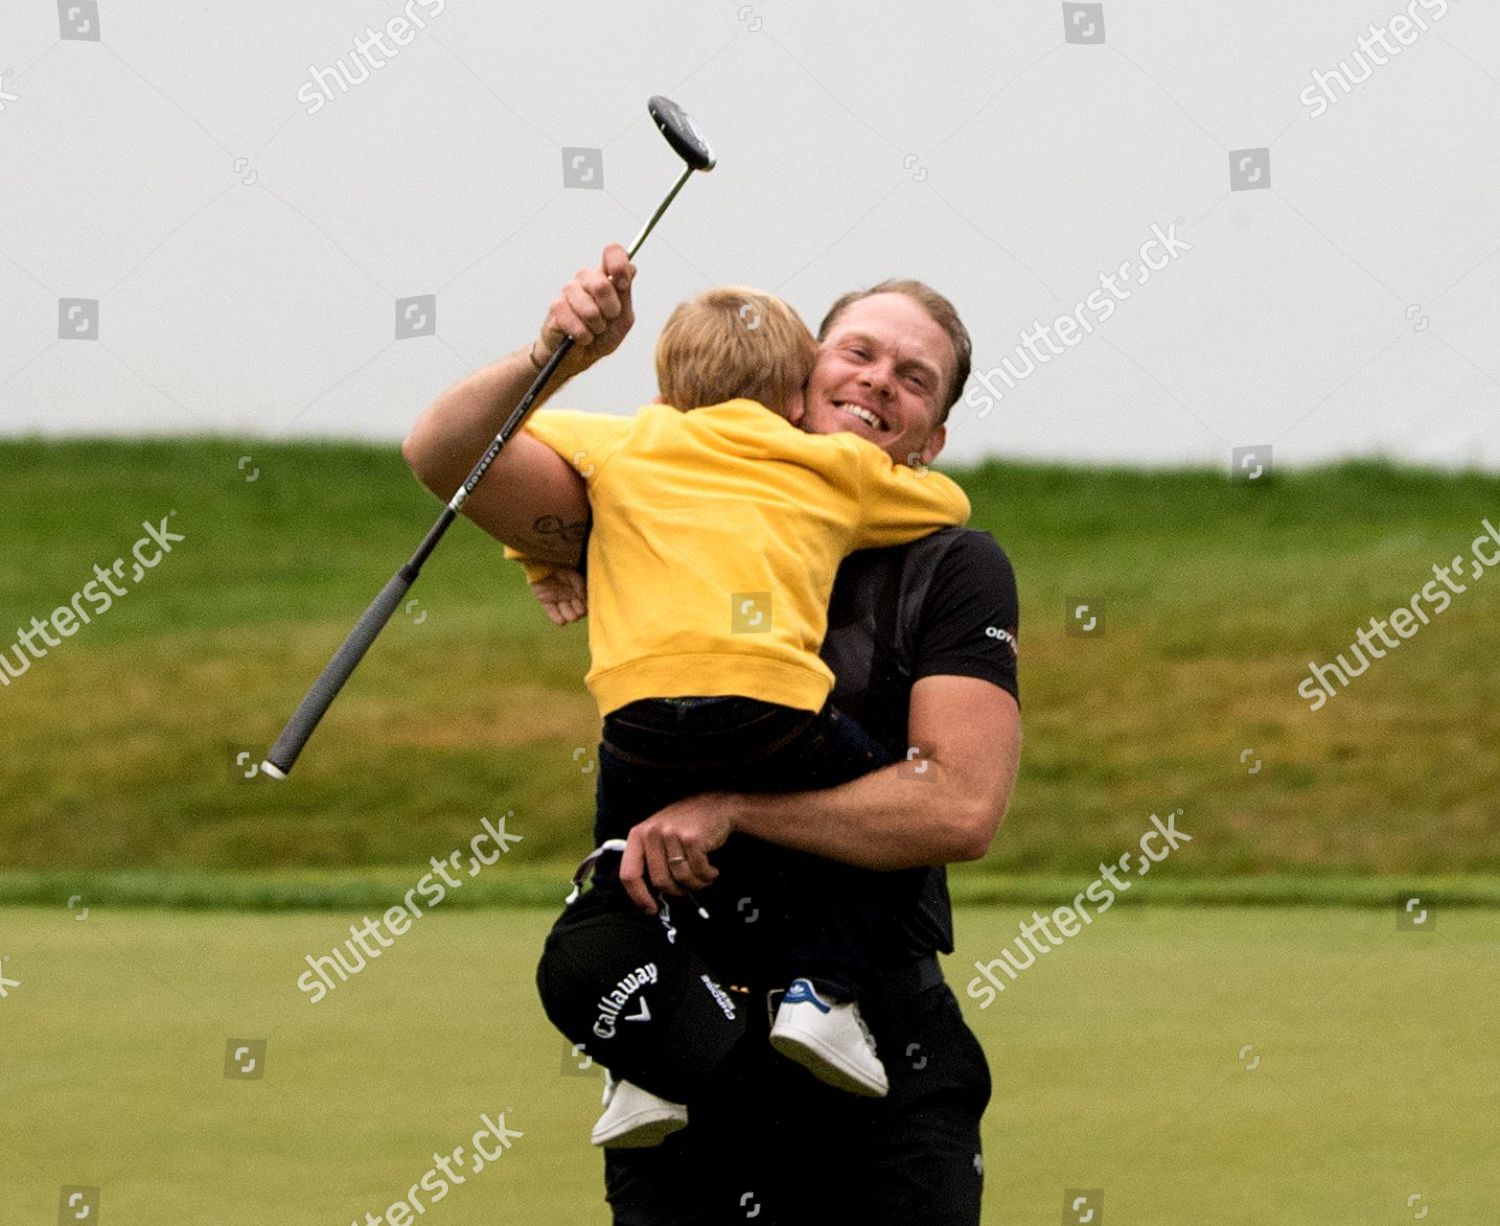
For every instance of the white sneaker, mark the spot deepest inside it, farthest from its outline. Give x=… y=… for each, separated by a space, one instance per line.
x=635 y=1118
x=830 y=1040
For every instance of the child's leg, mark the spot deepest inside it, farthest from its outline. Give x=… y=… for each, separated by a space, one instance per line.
x=660 y=750
x=831 y=913
x=827 y=915
x=664 y=751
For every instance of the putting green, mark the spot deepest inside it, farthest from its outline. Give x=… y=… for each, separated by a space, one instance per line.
x=1196 y=1064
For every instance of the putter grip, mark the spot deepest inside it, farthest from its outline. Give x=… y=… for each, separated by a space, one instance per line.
x=325 y=689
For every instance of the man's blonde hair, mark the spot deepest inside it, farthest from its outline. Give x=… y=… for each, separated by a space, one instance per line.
x=731 y=342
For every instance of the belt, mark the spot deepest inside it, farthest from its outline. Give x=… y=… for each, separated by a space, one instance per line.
x=915 y=977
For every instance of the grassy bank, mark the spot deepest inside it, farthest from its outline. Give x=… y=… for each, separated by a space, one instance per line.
x=121 y=743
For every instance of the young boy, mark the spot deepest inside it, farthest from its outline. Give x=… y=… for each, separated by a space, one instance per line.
x=718 y=527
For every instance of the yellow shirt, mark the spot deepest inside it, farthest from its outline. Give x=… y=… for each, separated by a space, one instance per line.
x=716 y=537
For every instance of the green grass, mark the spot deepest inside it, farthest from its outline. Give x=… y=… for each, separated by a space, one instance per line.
x=544 y=885
x=119 y=743
x=1116 y=1062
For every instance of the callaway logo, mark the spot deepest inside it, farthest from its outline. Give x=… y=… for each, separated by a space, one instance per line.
x=613 y=1003
x=719 y=996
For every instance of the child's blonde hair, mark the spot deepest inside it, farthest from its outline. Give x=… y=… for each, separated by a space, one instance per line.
x=731 y=342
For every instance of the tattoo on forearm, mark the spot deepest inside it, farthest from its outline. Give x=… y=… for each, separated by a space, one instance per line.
x=552 y=525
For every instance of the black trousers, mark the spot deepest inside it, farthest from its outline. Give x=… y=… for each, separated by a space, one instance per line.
x=782 y=1149
x=813 y=918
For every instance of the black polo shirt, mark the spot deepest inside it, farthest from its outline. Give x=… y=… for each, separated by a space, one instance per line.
x=943 y=605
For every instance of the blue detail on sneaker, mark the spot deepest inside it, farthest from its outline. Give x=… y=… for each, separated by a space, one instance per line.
x=803 y=992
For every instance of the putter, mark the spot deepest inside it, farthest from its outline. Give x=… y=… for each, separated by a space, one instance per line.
x=687 y=139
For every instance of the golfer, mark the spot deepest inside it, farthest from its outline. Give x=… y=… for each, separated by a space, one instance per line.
x=922 y=642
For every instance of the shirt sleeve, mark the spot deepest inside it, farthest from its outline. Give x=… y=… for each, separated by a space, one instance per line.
x=582 y=439
x=535 y=570
x=899 y=504
x=971 y=617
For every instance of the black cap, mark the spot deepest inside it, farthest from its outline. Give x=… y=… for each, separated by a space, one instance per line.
x=624 y=986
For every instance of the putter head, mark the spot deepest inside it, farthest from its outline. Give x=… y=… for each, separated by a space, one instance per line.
x=682 y=133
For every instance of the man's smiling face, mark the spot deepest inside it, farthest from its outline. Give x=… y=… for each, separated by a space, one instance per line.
x=883 y=373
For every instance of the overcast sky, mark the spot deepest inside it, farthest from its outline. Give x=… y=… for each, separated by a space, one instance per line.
x=199 y=237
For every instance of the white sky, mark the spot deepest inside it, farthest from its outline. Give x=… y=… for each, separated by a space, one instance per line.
x=247 y=255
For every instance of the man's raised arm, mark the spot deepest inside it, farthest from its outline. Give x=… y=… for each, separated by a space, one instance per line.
x=530 y=499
